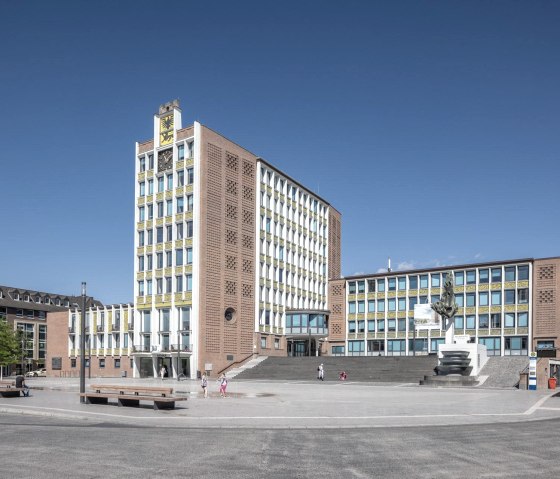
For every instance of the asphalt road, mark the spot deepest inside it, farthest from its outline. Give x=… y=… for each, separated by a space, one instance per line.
x=45 y=447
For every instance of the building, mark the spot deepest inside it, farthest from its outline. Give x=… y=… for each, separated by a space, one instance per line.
x=109 y=333
x=508 y=306
x=28 y=312
x=225 y=245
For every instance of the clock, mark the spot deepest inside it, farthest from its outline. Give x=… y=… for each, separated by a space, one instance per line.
x=165 y=160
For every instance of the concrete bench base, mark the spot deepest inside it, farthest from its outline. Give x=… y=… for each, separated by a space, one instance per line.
x=130 y=400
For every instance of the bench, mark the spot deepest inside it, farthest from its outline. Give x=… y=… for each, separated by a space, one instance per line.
x=8 y=389
x=132 y=395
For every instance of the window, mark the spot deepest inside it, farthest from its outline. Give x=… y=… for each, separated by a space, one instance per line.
x=150 y=187
x=356 y=348
x=402 y=304
x=151 y=161
x=412 y=301
x=391 y=325
x=423 y=281
x=181 y=152
x=459 y=322
x=523 y=296
x=510 y=273
x=392 y=284
x=169 y=232
x=160 y=183
x=371 y=285
x=459 y=278
x=142 y=163
x=276 y=343
x=471 y=277
x=142 y=188
x=351 y=327
x=189 y=256
x=169 y=207
x=159 y=286
x=179 y=283
x=522 y=273
x=159 y=234
x=496 y=320
x=483 y=275
x=168 y=259
x=149 y=287
x=181 y=178
x=460 y=300
x=140 y=263
x=72 y=362
x=496 y=298
x=179 y=229
x=180 y=204
x=371 y=326
x=436 y=280
x=150 y=211
x=470 y=322
x=509 y=321
x=381 y=285
x=381 y=325
x=371 y=306
x=140 y=238
x=190 y=149
x=515 y=346
x=117 y=363
x=361 y=307
x=179 y=257
x=189 y=229
x=168 y=284
x=189 y=282
x=493 y=345
x=190 y=176
x=381 y=306
x=483 y=321
x=471 y=299
x=522 y=320
x=496 y=275
x=141 y=216
x=101 y=363
x=361 y=326
x=190 y=202
x=140 y=288
x=413 y=282
x=352 y=288
x=150 y=237
x=509 y=296
x=352 y=307
x=159 y=260
x=361 y=287
x=160 y=209
x=402 y=283
x=170 y=182
x=483 y=299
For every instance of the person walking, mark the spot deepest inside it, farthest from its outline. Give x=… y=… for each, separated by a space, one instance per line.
x=223 y=385
x=162 y=372
x=321 y=372
x=204 y=384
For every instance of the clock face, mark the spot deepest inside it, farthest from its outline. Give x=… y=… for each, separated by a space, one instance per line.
x=165 y=160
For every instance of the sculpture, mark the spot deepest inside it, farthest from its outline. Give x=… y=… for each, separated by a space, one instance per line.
x=446 y=306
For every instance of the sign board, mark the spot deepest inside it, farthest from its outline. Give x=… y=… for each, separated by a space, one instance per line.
x=533 y=371
x=208 y=366
x=56 y=363
x=425 y=317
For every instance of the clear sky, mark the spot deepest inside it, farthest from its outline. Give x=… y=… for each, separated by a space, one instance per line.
x=432 y=126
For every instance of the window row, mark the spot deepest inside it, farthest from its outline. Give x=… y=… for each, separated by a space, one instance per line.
x=165 y=285
x=147 y=161
x=165 y=233
x=182 y=256
x=182 y=204
x=435 y=280
x=165 y=182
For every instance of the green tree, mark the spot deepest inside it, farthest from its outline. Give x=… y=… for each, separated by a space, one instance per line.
x=10 y=345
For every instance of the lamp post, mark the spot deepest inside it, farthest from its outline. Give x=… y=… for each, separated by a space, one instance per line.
x=83 y=345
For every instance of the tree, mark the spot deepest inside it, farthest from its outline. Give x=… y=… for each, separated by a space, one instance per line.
x=10 y=345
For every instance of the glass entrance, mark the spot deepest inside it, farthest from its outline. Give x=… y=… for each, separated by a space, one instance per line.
x=302 y=347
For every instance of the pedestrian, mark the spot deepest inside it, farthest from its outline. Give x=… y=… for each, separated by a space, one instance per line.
x=321 y=372
x=204 y=384
x=223 y=385
x=162 y=372
x=20 y=383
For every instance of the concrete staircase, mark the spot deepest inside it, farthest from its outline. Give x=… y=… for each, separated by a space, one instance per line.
x=234 y=372
x=402 y=369
x=503 y=371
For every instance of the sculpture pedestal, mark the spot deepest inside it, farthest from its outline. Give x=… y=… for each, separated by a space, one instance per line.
x=471 y=356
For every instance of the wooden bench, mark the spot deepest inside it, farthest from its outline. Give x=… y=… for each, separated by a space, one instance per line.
x=8 y=389
x=132 y=395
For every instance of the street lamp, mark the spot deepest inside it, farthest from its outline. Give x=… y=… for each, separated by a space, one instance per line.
x=83 y=345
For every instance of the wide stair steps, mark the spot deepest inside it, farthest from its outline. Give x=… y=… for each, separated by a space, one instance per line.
x=402 y=369
x=234 y=372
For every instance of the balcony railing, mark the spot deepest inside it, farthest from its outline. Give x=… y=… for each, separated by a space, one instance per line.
x=142 y=348
x=184 y=348
x=131 y=326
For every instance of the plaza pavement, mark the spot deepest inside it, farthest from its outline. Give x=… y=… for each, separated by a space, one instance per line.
x=294 y=404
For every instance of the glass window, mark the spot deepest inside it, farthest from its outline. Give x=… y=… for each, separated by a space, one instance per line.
x=190 y=176
x=460 y=300
x=361 y=326
x=402 y=304
x=436 y=280
x=522 y=273
x=381 y=285
x=483 y=275
x=522 y=320
x=509 y=320
x=471 y=277
x=424 y=281
x=471 y=299
x=391 y=304
x=361 y=286
x=413 y=282
x=371 y=326
x=352 y=287
x=483 y=321
x=361 y=307
x=391 y=325
x=371 y=285
x=189 y=256
x=351 y=327
x=142 y=188
x=142 y=163
x=459 y=322
x=470 y=322
x=402 y=283
x=180 y=204
x=510 y=273
x=160 y=183
x=150 y=187
x=483 y=299
x=381 y=325
x=179 y=257
x=181 y=152
x=381 y=306
x=523 y=296
x=170 y=181
x=496 y=320
x=189 y=282
x=392 y=284
x=412 y=301
x=496 y=298
x=515 y=346
x=496 y=275
x=371 y=306
x=181 y=178
x=352 y=307
x=459 y=278
x=509 y=296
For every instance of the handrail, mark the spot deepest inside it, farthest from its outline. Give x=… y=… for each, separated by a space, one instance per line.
x=235 y=363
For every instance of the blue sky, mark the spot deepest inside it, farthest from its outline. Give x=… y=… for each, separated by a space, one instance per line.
x=433 y=127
